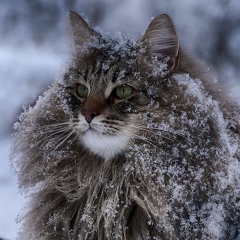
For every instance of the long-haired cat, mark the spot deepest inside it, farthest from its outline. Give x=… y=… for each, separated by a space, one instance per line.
x=134 y=141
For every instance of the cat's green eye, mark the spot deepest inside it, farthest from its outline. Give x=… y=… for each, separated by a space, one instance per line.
x=123 y=91
x=82 y=91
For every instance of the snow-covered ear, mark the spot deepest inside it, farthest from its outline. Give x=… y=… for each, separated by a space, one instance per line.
x=160 y=40
x=81 y=31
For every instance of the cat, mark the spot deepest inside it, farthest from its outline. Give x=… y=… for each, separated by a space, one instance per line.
x=135 y=140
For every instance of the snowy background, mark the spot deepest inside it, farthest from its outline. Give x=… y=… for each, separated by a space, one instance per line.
x=33 y=45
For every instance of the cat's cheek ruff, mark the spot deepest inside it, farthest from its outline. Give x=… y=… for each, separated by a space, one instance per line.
x=105 y=146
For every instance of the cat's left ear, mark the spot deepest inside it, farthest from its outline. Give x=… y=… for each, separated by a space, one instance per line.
x=160 y=40
x=81 y=31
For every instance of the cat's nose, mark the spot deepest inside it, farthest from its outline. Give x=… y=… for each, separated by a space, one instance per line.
x=90 y=114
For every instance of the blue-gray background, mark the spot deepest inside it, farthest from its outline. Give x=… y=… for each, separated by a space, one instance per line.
x=34 y=43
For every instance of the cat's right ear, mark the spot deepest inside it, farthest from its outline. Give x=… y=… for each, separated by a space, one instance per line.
x=160 y=40
x=82 y=33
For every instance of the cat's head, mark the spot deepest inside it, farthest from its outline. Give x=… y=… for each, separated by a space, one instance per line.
x=112 y=82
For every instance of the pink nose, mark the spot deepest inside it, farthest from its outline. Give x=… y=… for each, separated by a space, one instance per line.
x=89 y=114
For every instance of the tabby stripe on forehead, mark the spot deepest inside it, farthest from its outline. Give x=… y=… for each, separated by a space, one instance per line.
x=97 y=68
x=115 y=75
x=115 y=69
x=86 y=74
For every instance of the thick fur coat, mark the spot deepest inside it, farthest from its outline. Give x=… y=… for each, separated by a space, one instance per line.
x=134 y=141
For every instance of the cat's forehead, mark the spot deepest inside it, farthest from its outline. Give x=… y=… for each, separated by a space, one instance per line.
x=105 y=67
x=107 y=74
x=110 y=51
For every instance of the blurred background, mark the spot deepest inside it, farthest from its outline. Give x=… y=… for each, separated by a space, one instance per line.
x=34 y=45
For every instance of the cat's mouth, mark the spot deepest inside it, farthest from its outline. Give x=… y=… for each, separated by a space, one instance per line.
x=92 y=128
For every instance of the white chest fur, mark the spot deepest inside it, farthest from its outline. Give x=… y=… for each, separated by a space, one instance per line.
x=106 y=146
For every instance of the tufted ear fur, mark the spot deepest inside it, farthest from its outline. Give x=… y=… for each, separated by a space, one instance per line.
x=160 y=40
x=81 y=31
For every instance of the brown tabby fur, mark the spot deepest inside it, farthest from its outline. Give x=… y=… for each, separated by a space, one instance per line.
x=149 y=190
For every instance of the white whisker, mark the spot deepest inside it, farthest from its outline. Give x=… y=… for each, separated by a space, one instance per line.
x=151 y=131
x=57 y=131
x=139 y=137
x=54 y=125
x=154 y=129
x=62 y=141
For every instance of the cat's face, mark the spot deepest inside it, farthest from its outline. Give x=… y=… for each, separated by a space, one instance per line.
x=109 y=85
x=106 y=103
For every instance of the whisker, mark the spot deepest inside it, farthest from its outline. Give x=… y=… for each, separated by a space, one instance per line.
x=53 y=125
x=52 y=133
x=147 y=130
x=62 y=141
x=50 y=128
x=119 y=131
x=41 y=142
x=121 y=135
x=55 y=130
x=136 y=125
x=140 y=138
